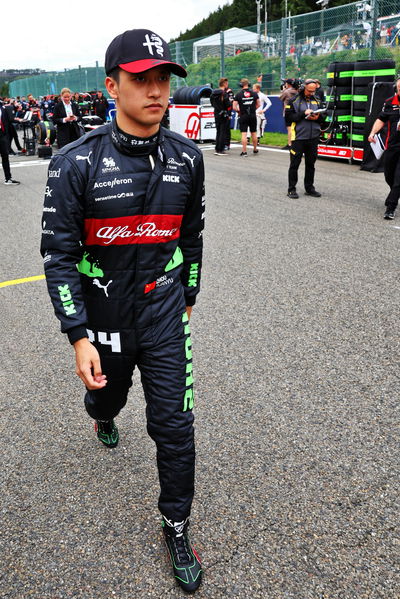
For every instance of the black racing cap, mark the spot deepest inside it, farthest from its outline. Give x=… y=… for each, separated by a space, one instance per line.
x=139 y=50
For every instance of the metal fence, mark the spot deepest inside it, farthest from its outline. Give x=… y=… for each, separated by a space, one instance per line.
x=298 y=46
x=79 y=79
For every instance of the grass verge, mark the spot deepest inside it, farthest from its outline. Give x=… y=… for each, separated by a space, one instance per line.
x=268 y=139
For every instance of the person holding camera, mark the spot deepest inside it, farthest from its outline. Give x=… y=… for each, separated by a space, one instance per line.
x=220 y=102
x=390 y=114
x=304 y=113
x=289 y=89
x=246 y=102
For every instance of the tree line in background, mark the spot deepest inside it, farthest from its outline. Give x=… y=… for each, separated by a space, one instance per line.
x=243 y=13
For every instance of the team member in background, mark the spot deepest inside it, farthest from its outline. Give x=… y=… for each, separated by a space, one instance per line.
x=246 y=103
x=100 y=105
x=11 y=110
x=230 y=95
x=306 y=130
x=261 y=111
x=390 y=114
x=5 y=146
x=122 y=248
x=66 y=116
x=46 y=107
x=290 y=90
x=19 y=112
x=24 y=103
x=220 y=102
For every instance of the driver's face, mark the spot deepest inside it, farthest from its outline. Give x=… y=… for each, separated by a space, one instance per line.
x=142 y=98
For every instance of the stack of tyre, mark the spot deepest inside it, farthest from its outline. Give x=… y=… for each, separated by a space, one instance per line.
x=366 y=72
x=348 y=96
x=192 y=94
x=339 y=98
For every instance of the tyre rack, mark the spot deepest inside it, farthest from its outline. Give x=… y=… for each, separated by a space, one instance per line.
x=350 y=152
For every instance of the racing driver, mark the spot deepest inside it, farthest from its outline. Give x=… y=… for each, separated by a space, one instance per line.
x=122 y=246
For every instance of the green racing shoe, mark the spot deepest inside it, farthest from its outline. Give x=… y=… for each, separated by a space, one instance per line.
x=107 y=432
x=185 y=561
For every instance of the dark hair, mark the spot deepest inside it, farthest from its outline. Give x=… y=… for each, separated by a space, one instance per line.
x=114 y=74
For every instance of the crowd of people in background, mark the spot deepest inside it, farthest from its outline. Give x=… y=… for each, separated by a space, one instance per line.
x=353 y=39
x=46 y=104
x=389 y=35
x=22 y=108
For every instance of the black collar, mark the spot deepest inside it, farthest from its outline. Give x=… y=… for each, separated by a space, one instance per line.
x=132 y=145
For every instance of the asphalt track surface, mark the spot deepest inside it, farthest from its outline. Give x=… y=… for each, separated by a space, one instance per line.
x=296 y=354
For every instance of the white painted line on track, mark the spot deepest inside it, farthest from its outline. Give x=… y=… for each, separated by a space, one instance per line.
x=29 y=163
x=238 y=146
x=395 y=227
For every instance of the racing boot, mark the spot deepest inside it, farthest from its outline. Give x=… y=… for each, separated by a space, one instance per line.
x=107 y=432
x=185 y=562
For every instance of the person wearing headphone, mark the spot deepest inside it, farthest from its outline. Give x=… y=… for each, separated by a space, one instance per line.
x=390 y=114
x=303 y=112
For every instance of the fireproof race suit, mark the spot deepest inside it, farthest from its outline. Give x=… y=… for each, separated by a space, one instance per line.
x=122 y=248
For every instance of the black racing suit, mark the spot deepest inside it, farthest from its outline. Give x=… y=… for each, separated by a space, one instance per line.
x=304 y=139
x=122 y=248
x=390 y=114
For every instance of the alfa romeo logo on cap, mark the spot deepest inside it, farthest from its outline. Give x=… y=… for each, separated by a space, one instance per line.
x=155 y=41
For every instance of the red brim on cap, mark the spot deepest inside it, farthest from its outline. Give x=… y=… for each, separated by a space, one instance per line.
x=140 y=66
